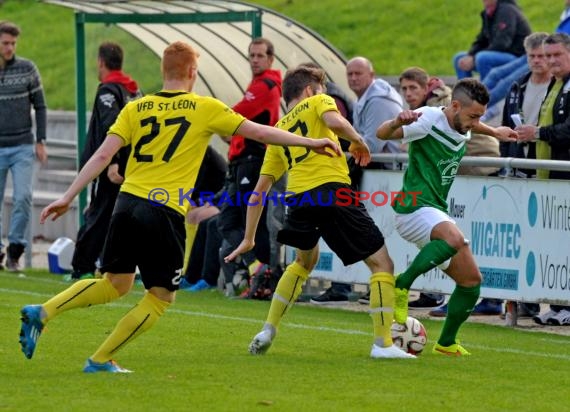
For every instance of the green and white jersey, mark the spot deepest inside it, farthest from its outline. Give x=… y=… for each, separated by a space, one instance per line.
x=435 y=150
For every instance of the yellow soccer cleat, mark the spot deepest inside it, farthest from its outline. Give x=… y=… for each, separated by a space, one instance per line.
x=452 y=350
x=401 y=305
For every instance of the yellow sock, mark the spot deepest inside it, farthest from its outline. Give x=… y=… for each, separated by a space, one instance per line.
x=81 y=294
x=382 y=307
x=288 y=290
x=138 y=320
x=253 y=267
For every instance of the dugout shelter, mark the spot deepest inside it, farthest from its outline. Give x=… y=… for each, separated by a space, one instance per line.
x=220 y=30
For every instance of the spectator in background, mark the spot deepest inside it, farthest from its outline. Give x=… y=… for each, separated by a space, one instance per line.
x=499 y=41
x=260 y=104
x=113 y=93
x=377 y=101
x=552 y=134
x=524 y=99
x=500 y=79
x=20 y=90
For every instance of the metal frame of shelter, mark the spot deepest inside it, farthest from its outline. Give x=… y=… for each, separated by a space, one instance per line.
x=81 y=18
x=220 y=31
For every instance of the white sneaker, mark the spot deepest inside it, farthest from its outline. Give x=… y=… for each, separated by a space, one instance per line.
x=560 y=319
x=542 y=319
x=261 y=342
x=391 y=352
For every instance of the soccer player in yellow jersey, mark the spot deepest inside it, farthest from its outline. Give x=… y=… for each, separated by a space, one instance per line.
x=314 y=210
x=169 y=132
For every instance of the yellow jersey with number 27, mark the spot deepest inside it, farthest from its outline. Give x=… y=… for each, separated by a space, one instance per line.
x=169 y=132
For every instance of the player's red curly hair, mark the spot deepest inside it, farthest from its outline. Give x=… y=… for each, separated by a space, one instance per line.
x=177 y=59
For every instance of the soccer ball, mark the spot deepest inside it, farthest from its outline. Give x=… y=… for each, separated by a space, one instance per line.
x=410 y=337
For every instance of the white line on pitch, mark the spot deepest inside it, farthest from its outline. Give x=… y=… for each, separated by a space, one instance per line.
x=301 y=326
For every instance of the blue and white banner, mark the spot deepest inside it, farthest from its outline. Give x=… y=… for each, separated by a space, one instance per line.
x=519 y=231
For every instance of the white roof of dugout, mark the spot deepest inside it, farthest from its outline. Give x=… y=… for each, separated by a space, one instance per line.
x=224 y=70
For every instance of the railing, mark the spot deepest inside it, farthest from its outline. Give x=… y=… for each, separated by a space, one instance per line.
x=499 y=162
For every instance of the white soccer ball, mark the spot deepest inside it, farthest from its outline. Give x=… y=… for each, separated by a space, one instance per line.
x=410 y=337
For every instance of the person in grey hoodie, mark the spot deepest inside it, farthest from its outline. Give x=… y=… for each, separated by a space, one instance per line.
x=377 y=102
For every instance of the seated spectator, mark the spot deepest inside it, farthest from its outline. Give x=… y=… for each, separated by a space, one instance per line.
x=500 y=79
x=499 y=41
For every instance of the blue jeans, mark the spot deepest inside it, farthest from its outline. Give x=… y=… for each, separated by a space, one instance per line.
x=19 y=160
x=484 y=62
x=501 y=78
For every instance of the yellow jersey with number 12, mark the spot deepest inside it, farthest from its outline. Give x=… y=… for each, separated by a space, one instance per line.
x=169 y=132
x=306 y=168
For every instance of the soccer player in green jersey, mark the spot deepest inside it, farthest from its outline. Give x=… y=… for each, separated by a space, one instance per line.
x=313 y=211
x=169 y=132
x=436 y=137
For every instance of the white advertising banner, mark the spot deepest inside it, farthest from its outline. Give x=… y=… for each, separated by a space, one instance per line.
x=518 y=229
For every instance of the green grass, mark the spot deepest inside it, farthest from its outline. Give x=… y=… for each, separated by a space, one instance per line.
x=398 y=34
x=195 y=358
x=393 y=34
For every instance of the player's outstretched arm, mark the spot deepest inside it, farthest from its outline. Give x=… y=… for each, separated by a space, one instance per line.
x=254 y=211
x=501 y=133
x=392 y=129
x=93 y=168
x=343 y=129
x=273 y=135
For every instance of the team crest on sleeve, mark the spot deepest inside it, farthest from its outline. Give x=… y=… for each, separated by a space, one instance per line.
x=326 y=100
x=107 y=99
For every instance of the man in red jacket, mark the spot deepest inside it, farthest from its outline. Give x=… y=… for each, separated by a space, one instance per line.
x=260 y=104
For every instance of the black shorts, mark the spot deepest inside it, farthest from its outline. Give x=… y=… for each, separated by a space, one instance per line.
x=147 y=236
x=348 y=230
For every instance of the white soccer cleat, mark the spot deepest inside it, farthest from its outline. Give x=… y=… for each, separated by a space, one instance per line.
x=391 y=352
x=261 y=342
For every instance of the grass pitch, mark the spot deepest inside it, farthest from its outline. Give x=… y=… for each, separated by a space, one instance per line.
x=195 y=359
